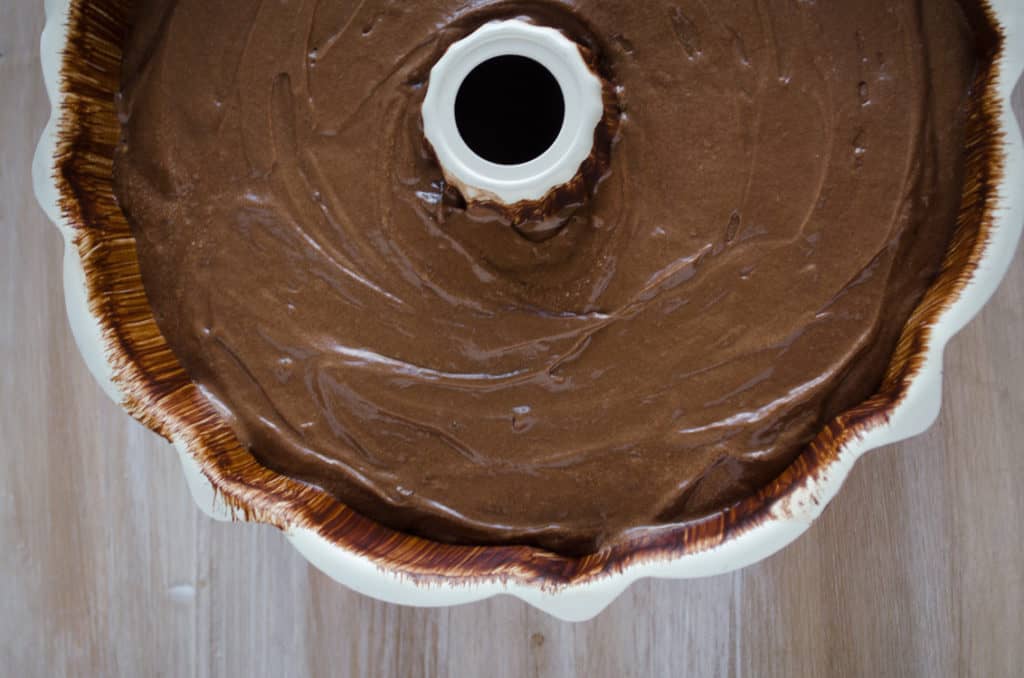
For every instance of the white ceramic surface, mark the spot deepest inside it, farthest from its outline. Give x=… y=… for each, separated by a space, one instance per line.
x=479 y=179
x=790 y=516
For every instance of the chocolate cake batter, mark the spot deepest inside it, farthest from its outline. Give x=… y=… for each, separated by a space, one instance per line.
x=783 y=184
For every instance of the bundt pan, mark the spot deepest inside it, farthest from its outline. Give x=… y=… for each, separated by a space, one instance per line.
x=119 y=340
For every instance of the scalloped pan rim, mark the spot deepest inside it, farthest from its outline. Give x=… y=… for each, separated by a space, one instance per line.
x=403 y=569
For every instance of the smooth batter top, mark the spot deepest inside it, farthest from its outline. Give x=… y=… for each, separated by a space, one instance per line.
x=784 y=181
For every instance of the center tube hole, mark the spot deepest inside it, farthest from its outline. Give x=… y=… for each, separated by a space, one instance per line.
x=509 y=110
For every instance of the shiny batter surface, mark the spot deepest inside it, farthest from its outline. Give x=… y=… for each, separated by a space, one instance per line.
x=783 y=184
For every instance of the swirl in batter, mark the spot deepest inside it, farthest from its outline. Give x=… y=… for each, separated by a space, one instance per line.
x=782 y=187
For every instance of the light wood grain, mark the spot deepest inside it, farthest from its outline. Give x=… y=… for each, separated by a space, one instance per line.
x=108 y=569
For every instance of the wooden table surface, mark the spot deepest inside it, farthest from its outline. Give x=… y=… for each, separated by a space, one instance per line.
x=107 y=568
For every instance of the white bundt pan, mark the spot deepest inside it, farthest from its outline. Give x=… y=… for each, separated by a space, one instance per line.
x=788 y=517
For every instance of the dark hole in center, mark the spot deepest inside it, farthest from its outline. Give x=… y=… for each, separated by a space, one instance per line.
x=509 y=109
